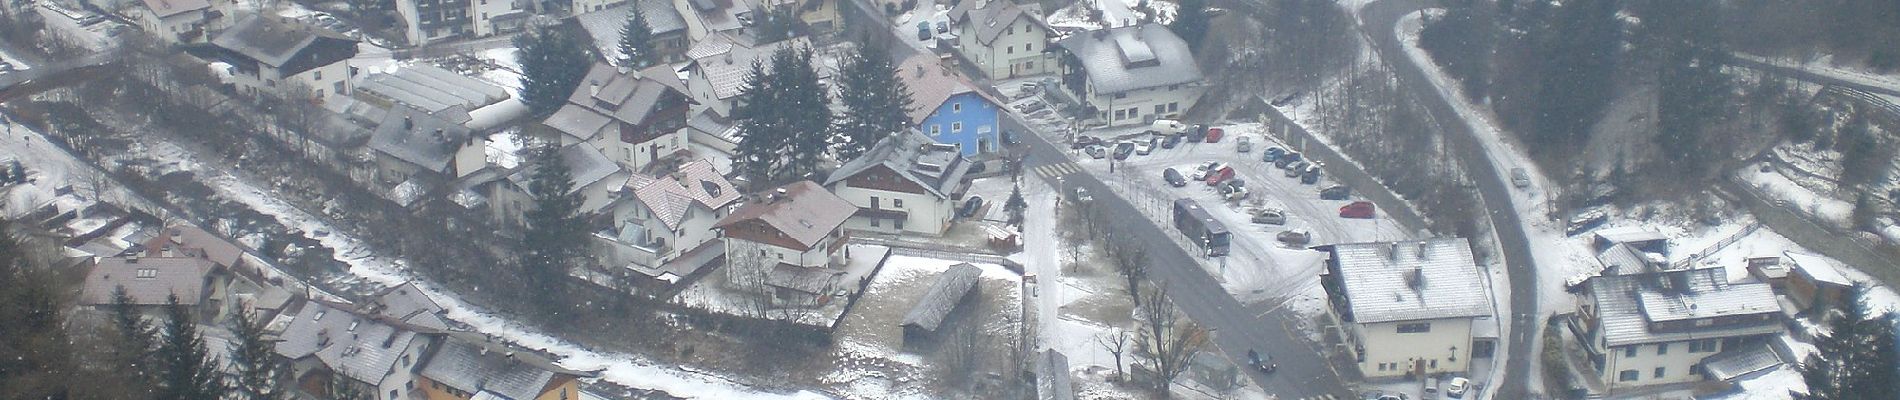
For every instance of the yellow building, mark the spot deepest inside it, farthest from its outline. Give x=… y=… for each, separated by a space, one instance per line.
x=471 y=367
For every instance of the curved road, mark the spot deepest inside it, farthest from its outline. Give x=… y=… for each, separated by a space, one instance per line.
x=1380 y=22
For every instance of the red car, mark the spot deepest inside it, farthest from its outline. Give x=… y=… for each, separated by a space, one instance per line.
x=1214 y=134
x=1221 y=175
x=1358 y=209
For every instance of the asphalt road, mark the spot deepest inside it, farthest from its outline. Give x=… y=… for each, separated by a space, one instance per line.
x=1380 y=21
x=1304 y=372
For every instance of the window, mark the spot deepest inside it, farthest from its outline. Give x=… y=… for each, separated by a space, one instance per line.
x=1161 y=108
x=1134 y=112
x=1627 y=376
x=338 y=87
x=150 y=273
x=874 y=222
x=1121 y=114
x=1029 y=46
x=1416 y=327
x=1704 y=322
x=1029 y=65
x=1702 y=346
x=956 y=127
x=1629 y=351
x=956 y=107
x=1119 y=96
x=1381 y=366
x=1434 y=363
x=405 y=361
x=1659 y=372
x=897 y=223
x=316 y=75
x=874 y=202
x=897 y=203
x=1662 y=348
x=1174 y=106
x=936 y=129
x=1010 y=50
x=1009 y=31
x=392 y=395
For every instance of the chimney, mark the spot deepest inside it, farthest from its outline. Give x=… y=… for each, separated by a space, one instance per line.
x=1415 y=278
x=1421 y=250
x=408 y=123
x=593 y=88
x=920 y=71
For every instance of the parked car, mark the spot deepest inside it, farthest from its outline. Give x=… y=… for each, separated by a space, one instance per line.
x=1200 y=171
x=1457 y=388
x=1287 y=159
x=1270 y=216
x=1520 y=178
x=1231 y=192
x=943 y=27
x=1295 y=237
x=1358 y=209
x=1431 y=389
x=1144 y=148
x=1084 y=141
x=1169 y=126
x=1244 y=144
x=970 y=206
x=1214 y=134
x=1173 y=177
x=1171 y=141
x=1311 y=175
x=1216 y=176
x=1293 y=170
x=1096 y=151
x=1197 y=133
x=1273 y=153
x=1335 y=192
x=1123 y=149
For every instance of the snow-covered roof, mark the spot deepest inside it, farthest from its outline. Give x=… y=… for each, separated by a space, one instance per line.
x=410 y=304
x=1411 y=280
x=991 y=17
x=1133 y=57
x=432 y=88
x=147 y=280
x=669 y=197
x=1818 y=268
x=608 y=94
x=710 y=123
x=1735 y=362
x=1628 y=234
x=363 y=347
x=192 y=241
x=1621 y=259
x=167 y=8
x=604 y=26
x=471 y=366
x=278 y=42
x=427 y=140
x=944 y=295
x=723 y=63
x=937 y=167
x=1627 y=304
x=585 y=165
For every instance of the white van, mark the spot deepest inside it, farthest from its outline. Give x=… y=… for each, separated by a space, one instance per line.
x=1168 y=126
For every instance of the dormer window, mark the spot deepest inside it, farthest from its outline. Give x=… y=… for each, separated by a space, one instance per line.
x=147 y=273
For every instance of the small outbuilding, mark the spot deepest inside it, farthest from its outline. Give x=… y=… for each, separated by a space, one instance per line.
x=951 y=288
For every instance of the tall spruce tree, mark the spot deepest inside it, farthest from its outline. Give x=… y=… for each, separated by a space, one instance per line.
x=136 y=343
x=1015 y=205
x=876 y=102
x=552 y=243
x=1857 y=359
x=1190 y=21
x=636 y=38
x=552 y=65
x=762 y=133
x=187 y=370
x=36 y=357
x=258 y=375
x=807 y=103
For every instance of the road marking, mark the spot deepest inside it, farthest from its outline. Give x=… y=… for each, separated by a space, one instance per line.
x=1055 y=170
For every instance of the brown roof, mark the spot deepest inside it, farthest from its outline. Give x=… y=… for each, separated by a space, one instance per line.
x=189 y=241
x=931 y=84
x=147 y=280
x=805 y=212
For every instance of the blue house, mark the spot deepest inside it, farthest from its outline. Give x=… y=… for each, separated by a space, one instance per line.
x=949 y=109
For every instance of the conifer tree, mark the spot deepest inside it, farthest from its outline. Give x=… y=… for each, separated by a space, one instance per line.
x=552 y=65
x=784 y=120
x=136 y=343
x=35 y=355
x=807 y=104
x=258 y=375
x=636 y=38
x=1190 y=21
x=762 y=133
x=552 y=243
x=1016 y=206
x=876 y=103
x=187 y=371
x=1857 y=359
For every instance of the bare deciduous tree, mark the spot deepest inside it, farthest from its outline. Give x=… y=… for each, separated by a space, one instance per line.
x=1167 y=337
x=1115 y=342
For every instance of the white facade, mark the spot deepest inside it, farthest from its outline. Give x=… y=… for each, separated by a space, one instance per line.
x=817 y=257
x=1018 y=51
x=636 y=156
x=484 y=15
x=169 y=28
x=1142 y=106
x=508 y=204
x=324 y=82
x=1392 y=349
x=695 y=227
x=1656 y=363
x=587 y=6
x=925 y=214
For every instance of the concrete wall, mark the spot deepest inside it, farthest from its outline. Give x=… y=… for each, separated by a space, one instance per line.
x=1138 y=106
x=1445 y=347
x=966 y=119
x=928 y=215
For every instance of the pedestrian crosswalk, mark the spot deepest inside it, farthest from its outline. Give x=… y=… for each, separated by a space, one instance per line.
x=1055 y=170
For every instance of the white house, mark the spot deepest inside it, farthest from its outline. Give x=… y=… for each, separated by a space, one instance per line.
x=1406 y=307
x=719 y=65
x=1132 y=74
x=905 y=183
x=793 y=237
x=173 y=20
x=1659 y=327
x=634 y=117
x=595 y=180
x=660 y=219
x=411 y=142
x=269 y=53
x=1002 y=39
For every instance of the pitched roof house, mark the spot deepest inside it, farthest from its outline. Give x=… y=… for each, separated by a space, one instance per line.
x=905 y=183
x=411 y=142
x=594 y=176
x=949 y=107
x=467 y=367
x=1002 y=39
x=635 y=117
x=719 y=65
x=1131 y=74
x=1407 y=307
x=663 y=225
x=150 y=281
x=173 y=20
x=794 y=236
x=266 y=53
x=375 y=353
x=669 y=29
x=1656 y=327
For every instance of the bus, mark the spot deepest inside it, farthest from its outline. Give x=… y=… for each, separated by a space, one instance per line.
x=1200 y=228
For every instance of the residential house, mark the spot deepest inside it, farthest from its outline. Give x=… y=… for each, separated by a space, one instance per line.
x=427 y=21
x=329 y=342
x=410 y=305
x=1002 y=39
x=468 y=366
x=714 y=131
x=493 y=17
x=819 y=16
x=427 y=88
x=199 y=283
x=1816 y=282
x=905 y=183
x=595 y=179
x=669 y=42
x=949 y=107
x=1642 y=239
x=790 y=242
x=662 y=226
x=1132 y=74
x=190 y=241
x=719 y=65
x=173 y=20
x=411 y=142
x=705 y=18
x=1658 y=327
x=635 y=118
x=268 y=53
x=1406 y=307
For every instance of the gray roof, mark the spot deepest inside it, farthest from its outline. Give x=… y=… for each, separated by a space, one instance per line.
x=410 y=304
x=944 y=295
x=694 y=184
x=474 y=365
x=710 y=123
x=1052 y=376
x=1621 y=259
x=1744 y=360
x=432 y=88
x=938 y=167
x=585 y=165
x=363 y=347
x=931 y=84
x=148 y=280
x=604 y=25
x=280 y=41
x=1381 y=285
x=1626 y=304
x=1628 y=234
x=1818 y=268
x=167 y=8
x=724 y=63
x=1133 y=57
x=426 y=140
x=197 y=242
x=608 y=94
x=993 y=17
x=807 y=213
